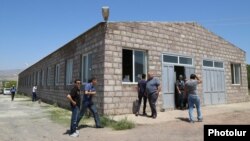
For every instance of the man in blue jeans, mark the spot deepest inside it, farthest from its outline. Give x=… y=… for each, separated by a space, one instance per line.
x=74 y=98
x=87 y=102
x=193 y=98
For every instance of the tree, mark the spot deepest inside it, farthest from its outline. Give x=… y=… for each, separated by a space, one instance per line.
x=9 y=84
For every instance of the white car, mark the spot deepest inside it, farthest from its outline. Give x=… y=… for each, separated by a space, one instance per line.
x=6 y=91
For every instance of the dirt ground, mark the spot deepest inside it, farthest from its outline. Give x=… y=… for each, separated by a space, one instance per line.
x=23 y=120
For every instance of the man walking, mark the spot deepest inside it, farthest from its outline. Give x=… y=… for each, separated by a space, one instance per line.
x=34 y=93
x=74 y=98
x=142 y=94
x=193 y=98
x=13 y=92
x=87 y=102
x=153 y=88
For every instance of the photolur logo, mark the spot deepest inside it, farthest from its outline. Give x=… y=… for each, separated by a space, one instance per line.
x=214 y=132
x=226 y=132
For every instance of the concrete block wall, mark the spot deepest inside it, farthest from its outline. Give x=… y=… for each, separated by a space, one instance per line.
x=91 y=41
x=156 y=38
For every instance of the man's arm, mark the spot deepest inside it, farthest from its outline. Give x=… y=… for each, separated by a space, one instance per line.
x=90 y=93
x=71 y=100
x=158 y=89
x=198 y=79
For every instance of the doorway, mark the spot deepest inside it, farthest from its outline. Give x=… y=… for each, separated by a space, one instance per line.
x=179 y=70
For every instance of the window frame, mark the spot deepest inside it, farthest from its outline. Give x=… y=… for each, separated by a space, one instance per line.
x=213 y=61
x=69 y=71
x=145 y=67
x=233 y=74
x=57 y=74
x=178 y=59
x=85 y=67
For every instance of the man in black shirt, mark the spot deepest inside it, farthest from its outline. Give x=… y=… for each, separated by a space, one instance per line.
x=74 y=98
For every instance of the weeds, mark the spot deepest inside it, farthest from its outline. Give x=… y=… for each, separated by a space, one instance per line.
x=122 y=124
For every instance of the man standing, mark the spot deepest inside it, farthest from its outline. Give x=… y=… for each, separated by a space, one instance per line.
x=74 y=98
x=180 y=85
x=152 y=89
x=142 y=94
x=87 y=102
x=13 y=92
x=34 y=93
x=193 y=98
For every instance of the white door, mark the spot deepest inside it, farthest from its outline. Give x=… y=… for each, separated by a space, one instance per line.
x=213 y=86
x=168 y=86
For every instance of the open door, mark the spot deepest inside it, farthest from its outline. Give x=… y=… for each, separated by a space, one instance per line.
x=168 y=86
x=188 y=72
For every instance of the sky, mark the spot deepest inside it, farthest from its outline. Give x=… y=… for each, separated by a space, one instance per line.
x=32 y=29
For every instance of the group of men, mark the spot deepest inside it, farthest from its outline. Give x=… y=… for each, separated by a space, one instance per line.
x=187 y=91
x=147 y=89
x=79 y=106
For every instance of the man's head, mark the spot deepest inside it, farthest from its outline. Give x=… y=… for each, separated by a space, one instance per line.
x=192 y=76
x=150 y=75
x=180 y=77
x=93 y=80
x=143 y=76
x=78 y=83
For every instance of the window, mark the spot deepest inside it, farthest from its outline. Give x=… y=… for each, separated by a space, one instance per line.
x=213 y=64
x=42 y=77
x=236 y=73
x=57 y=74
x=170 y=59
x=38 y=78
x=208 y=63
x=218 y=65
x=86 y=69
x=133 y=65
x=48 y=76
x=185 y=60
x=177 y=60
x=69 y=71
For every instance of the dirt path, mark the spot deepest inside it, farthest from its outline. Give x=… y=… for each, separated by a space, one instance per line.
x=23 y=120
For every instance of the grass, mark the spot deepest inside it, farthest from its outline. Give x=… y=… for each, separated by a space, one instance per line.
x=63 y=117
x=122 y=124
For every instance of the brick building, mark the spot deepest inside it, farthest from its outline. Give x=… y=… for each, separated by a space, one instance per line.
x=117 y=53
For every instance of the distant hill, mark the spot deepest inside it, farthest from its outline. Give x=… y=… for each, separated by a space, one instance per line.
x=9 y=74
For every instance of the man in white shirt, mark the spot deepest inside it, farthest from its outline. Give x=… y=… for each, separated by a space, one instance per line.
x=34 y=93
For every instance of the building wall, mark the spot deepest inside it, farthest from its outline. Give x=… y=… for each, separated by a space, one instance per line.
x=91 y=41
x=189 y=39
x=155 y=38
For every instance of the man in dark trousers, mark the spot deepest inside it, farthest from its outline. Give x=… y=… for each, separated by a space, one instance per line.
x=74 y=98
x=153 y=88
x=142 y=94
x=13 y=92
x=89 y=91
x=180 y=85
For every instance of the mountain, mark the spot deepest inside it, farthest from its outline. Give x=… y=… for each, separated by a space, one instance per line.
x=9 y=74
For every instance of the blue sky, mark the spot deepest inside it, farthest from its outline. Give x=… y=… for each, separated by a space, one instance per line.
x=32 y=29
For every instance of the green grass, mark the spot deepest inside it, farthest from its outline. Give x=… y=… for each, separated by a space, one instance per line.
x=122 y=124
x=63 y=116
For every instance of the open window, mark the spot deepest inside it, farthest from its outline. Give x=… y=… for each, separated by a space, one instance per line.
x=133 y=65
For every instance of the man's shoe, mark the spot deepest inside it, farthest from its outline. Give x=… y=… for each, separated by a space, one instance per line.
x=154 y=116
x=144 y=114
x=99 y=126
x=191 y=121
x=136 y=114
x=199 y=120
x=74 y=134
x=78 y=132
